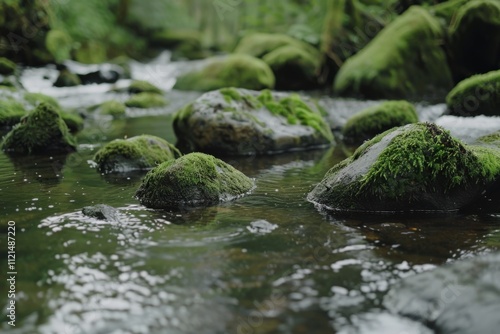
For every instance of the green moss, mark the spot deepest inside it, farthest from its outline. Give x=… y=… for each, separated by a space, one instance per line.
x=73 y=121
x=7 y=67
x=113 y=108
x=240 y=71
x=491 y=139
x=141 y=86
x=146 y=100
x=195 y=179
x=11 y=112
x=477 y=95
x=43 y=130
x=404 y=60
x=37 y=98
x=230 y=94
x=59 y=44
x=67 y=79
x=186 y=44
x=141 y=152
x=91 y=52
x=260 y=44
x=372 y=121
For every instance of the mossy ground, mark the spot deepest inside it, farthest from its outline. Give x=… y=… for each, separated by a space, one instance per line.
x=141 y=86
x=195 y=179
x=372 y=121
x=42 y=130
x=477 y=95
x=146 y=100
x=141 y=152
x=235 y=70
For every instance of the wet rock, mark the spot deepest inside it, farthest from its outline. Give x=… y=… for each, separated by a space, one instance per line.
x=67 y=79
x=7 y=67
x=146 y=100
x=90 y=74
x=461 y=297
x=404 y=60
x=477 y=95
x=101 y=212
x=417 y=167
x=243 y=122
x=375 y=120
x=41 y=131
x=195 y=179
x=475 y=39
x=141 y=152
x=235 y=70
x=141 y=86
x=113 y=108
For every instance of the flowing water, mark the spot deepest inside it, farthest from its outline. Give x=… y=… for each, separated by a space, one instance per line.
x=266 y=263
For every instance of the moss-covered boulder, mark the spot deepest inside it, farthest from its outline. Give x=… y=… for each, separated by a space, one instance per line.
x=195 y=179
x=417 y=167
x=41 y=131
x=7 y=67
x=375 y=120
x=184 y=43
x=113 y=108
x=67 y=79
x=477 y=95
x=136 y=153
x=142 y=86
x=146 y=100
x=243 y=122
x=11 y=112
x=236 y=70
x=475 y=39
x=404 y=60
x=295 y=64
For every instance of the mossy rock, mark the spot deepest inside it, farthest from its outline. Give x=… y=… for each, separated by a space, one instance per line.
x=41 y=131
x=36 y=98
x=136 y=153
x=417 y=167
x=260 y=44
x=142 y=86
x=59 y=44
x=232 y=71
x=11 y=112
x=375 y=120
x=67 y=79
x=242 y=122
x=195 y=179
x=404 y=60
x=184 y=43
x=475 y=39
x=7 y=67
x=113 y=108
x=146 y=100
x=477 y=95
x=73 y=121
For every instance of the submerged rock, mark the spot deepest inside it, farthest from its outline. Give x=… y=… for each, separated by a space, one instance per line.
x=146 y=100
x=404 y=60
x=477 y=95
x=195 y=179
x=417 y=167
x=235 y=70
x=243 y=122
x=101 y=212
x=141 y=152
x=375 y=120
x=41 y=131
x=459 y=298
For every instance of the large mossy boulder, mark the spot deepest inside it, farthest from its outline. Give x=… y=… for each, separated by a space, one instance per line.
x=235 y=70
x=404 y=60
x=195 y=179
x=475 y=39
x=243 y=122
x=477 y=95
x=41 y=131
x=375 y=120
x=295 y=64
x=417 y=167
x=136 y=153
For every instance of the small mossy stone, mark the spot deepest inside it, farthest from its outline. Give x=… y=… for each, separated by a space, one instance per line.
x=372 y=121
x=136 y=153
x=41 y=131
x=7 y=67
x=101 y=212
x=11 y=112
x=141 y=86
x=404 y=60
x=260 y=44
x=477 y=95
x=67 y=79
x=73 y=120
x=59 y=44
x=195 y=179
x=146 y=100
x=417 y=167
x=240 y=71
x=113 y=108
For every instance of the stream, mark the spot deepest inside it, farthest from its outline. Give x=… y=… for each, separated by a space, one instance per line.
x=266 y=263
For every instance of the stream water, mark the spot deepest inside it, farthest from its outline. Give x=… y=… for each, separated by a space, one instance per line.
x=266 y=263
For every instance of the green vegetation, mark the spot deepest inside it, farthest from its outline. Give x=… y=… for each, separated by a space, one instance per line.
x=7 y=67
x=67 y=79
x=195 y=179
x=375 y=120
x=11 y=112
x=73 y=121
x=477 y=95
x=59 y=44
x=113 y=108
x=141 y=86
x=141 y=152
x=240 y=71
x=42 y=130
x=146 y=100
